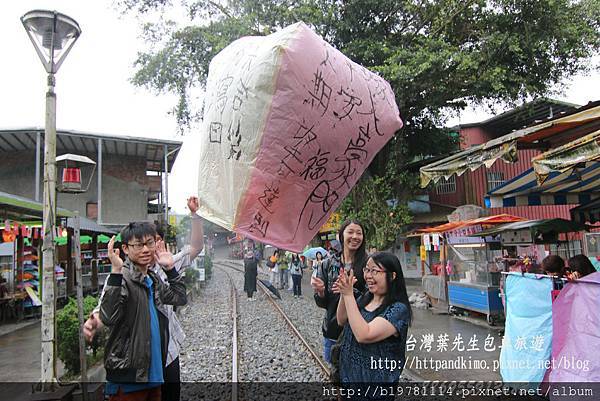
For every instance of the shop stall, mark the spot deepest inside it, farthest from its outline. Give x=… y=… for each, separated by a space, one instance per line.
x=474 y=281
x=236 y=246
x=461 y=273
x=21 y=235
x=590 y=213
x=95 y=264
x=523 y=244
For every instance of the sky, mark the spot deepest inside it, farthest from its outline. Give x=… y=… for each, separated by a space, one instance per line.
x=94 y=93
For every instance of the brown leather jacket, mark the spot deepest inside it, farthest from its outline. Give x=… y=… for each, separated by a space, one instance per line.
x=124 y=309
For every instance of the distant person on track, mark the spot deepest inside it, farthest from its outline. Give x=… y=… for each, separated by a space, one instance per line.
x=274 y=269
x=350 y=255
x=250 y=273
x=296 y=267
x=283 y=265
x=172 y=388
x=317 y=263
x=375 y=325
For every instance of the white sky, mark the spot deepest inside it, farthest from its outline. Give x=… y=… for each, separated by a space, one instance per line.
x=93 y=91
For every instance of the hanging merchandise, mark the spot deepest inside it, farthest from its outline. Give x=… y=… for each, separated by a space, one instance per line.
x=427 y=242
x=6 y=225
x=435 y=240
x=572 y=340
x=449 y=269
x=8 y=236
x=526 y=321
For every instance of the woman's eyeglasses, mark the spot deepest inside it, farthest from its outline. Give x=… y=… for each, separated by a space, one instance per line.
x=373 y=272
x=138 y=246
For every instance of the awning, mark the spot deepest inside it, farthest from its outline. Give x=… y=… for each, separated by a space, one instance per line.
x=543 y=226
x=505 y=147
x=490 y=220
x=568 y=156
x=567 y=188
x=587 y=213
x=25 y=207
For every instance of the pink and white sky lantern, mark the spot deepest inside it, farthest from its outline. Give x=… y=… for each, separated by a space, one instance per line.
x=290 y=124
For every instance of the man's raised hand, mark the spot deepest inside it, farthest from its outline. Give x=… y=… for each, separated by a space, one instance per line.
x=164 y=257
x=193 y=204
x=113 y=255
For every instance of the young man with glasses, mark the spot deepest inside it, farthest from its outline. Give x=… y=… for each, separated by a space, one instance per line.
x=136 y=349
x=171 y=388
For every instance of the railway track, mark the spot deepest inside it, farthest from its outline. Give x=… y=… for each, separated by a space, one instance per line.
x=272 y=300
x=243 y=344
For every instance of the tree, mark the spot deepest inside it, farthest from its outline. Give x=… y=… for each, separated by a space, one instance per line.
x=439 y=56
x=375 y=203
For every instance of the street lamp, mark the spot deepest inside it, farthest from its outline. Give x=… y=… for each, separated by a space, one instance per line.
x=53 y=35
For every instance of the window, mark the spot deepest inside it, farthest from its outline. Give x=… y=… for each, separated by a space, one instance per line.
x=446 y=186
x=91 y=210
x=494 y=179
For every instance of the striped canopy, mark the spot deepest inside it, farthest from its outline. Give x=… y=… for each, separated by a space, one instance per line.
x=569 y=156
x=505 y=147
x=572 y=187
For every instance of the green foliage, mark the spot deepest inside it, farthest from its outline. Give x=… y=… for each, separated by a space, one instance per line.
x=67 y=328
x=439 y=57
x=171 y=234
x=374 y=202
x=191 y=276
x=208 y=265
x=184 y=229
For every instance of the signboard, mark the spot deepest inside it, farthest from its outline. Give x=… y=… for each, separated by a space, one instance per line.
x=201 y=274
x=517 y=237
x=332 y=224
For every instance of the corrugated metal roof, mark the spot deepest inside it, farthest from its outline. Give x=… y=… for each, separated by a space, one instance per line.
x=20 y=139
x=533 y=112
x=89 y=226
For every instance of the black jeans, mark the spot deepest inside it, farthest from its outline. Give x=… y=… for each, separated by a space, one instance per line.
x=297 y=281
x=171 y=388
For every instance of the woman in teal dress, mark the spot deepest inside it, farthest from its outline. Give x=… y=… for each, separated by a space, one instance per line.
x=375 y=325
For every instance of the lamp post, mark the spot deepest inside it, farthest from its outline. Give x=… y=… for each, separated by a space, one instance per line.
x=53 y=35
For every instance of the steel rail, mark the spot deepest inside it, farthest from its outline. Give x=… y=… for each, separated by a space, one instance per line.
x=234 y=339
x=285 y=317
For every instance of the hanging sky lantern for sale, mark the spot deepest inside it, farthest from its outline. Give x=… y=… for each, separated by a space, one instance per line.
x=290 y=124
x=72 y=172
x=8 y=236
